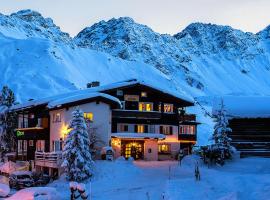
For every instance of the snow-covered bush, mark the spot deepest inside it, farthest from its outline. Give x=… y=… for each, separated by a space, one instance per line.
x=4 y=190
x=78 y=162
x=221 y=149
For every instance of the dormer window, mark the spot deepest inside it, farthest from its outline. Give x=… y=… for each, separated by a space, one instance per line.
x=168 y=108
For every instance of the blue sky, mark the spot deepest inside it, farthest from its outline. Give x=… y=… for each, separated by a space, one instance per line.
x=164 y=16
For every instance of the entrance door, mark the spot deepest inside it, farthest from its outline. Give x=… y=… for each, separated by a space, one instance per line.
x=133 y=149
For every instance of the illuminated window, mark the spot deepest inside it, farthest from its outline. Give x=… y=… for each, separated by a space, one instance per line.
x=140 y=129
x=187 y=129
x=167 y=130
x=164 y=148
x=40 y=145
x=168 y=108
x=143 y=94
x=88 y=116
x=143 y=106
x=56 y=117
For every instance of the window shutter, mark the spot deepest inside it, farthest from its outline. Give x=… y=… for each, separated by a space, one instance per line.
x=146 y=128
x=161 y=129
x=136 y=128
x=171 y=130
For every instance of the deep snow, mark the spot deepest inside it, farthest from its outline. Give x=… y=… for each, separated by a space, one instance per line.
x=240 y=179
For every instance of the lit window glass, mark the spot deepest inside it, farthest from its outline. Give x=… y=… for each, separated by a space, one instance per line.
x=168 y=108
x=164 y=148
x=143 y=94
x=88 y=116
x=145 y=106
x=140 y=128
x=187 y=129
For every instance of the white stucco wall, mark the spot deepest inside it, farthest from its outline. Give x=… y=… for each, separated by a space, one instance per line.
x=101 y=121
x=153 y=155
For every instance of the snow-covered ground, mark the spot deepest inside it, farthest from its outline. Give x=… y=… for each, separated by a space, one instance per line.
x=239 y=179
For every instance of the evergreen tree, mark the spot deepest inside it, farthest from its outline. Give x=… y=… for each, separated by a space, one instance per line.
x=8 y=120
x=221 y=129
x=77 y=157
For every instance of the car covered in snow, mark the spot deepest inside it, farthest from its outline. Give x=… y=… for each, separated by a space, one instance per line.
x=37 y=193
x=21 y=179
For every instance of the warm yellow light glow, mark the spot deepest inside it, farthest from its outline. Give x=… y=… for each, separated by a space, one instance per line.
x=88 y=115
x=65 y=131
x=116 y=142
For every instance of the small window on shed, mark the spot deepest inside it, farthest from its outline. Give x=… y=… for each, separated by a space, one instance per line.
x=88 y=116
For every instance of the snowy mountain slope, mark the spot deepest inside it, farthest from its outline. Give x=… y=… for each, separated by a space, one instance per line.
x=36 y=68
x=214 y=59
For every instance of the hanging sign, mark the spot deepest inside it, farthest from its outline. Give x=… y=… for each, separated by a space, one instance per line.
x=131 y=97
x=19 y=133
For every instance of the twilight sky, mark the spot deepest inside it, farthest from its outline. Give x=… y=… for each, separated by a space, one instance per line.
x=163 y=16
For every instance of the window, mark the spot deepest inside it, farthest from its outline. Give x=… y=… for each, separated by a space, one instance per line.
x=22 y=147
x=123 y=128
x=140 y=128
x=56 y=117
x=187 y=129
x=88 y=116
x=31 y=143
x=40 y=145
x=168 y=108
x=119 y=92
x=143 y=106
x=143 y=94
x=167 y=130
x=56 y=145
x=164 y=148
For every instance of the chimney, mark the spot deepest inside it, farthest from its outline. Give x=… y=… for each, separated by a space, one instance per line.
x=93 y=84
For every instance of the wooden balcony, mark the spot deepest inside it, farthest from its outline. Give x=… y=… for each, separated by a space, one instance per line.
x=187 y=118
x=187 y=137
x=48 y=159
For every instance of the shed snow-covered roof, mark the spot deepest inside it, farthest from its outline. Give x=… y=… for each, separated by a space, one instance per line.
x=245 y=106
x=67 y=98
x=77 y=95
x=138 y=135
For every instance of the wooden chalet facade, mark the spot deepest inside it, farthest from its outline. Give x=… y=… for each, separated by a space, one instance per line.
x=249 y=119
x=137 y=119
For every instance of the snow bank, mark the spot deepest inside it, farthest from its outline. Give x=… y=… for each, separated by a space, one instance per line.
x=9 y=167
x=37 y=193
x=4 y=190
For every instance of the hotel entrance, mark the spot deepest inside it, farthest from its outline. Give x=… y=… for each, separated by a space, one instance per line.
x=133 y=149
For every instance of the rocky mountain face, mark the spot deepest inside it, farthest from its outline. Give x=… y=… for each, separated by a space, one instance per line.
x=214 y=59
x=28 y=24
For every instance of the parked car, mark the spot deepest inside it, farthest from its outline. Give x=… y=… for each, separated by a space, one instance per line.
x=21 y=179
x=41 y=179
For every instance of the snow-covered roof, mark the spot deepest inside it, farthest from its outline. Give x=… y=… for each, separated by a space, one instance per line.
x=138 y=135
x=245 y=106
x=73 y=96
x=62 y=99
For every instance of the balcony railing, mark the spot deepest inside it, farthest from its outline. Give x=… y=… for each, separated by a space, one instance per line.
x=136 y=114
x=48 y=159
x=186 y=118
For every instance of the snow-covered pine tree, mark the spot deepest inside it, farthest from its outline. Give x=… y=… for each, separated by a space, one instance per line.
x=7 y=120
x=78 y=162
x=221 y=129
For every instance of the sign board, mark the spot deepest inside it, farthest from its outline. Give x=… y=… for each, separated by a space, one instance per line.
x=19 y=133
x=131 y=97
